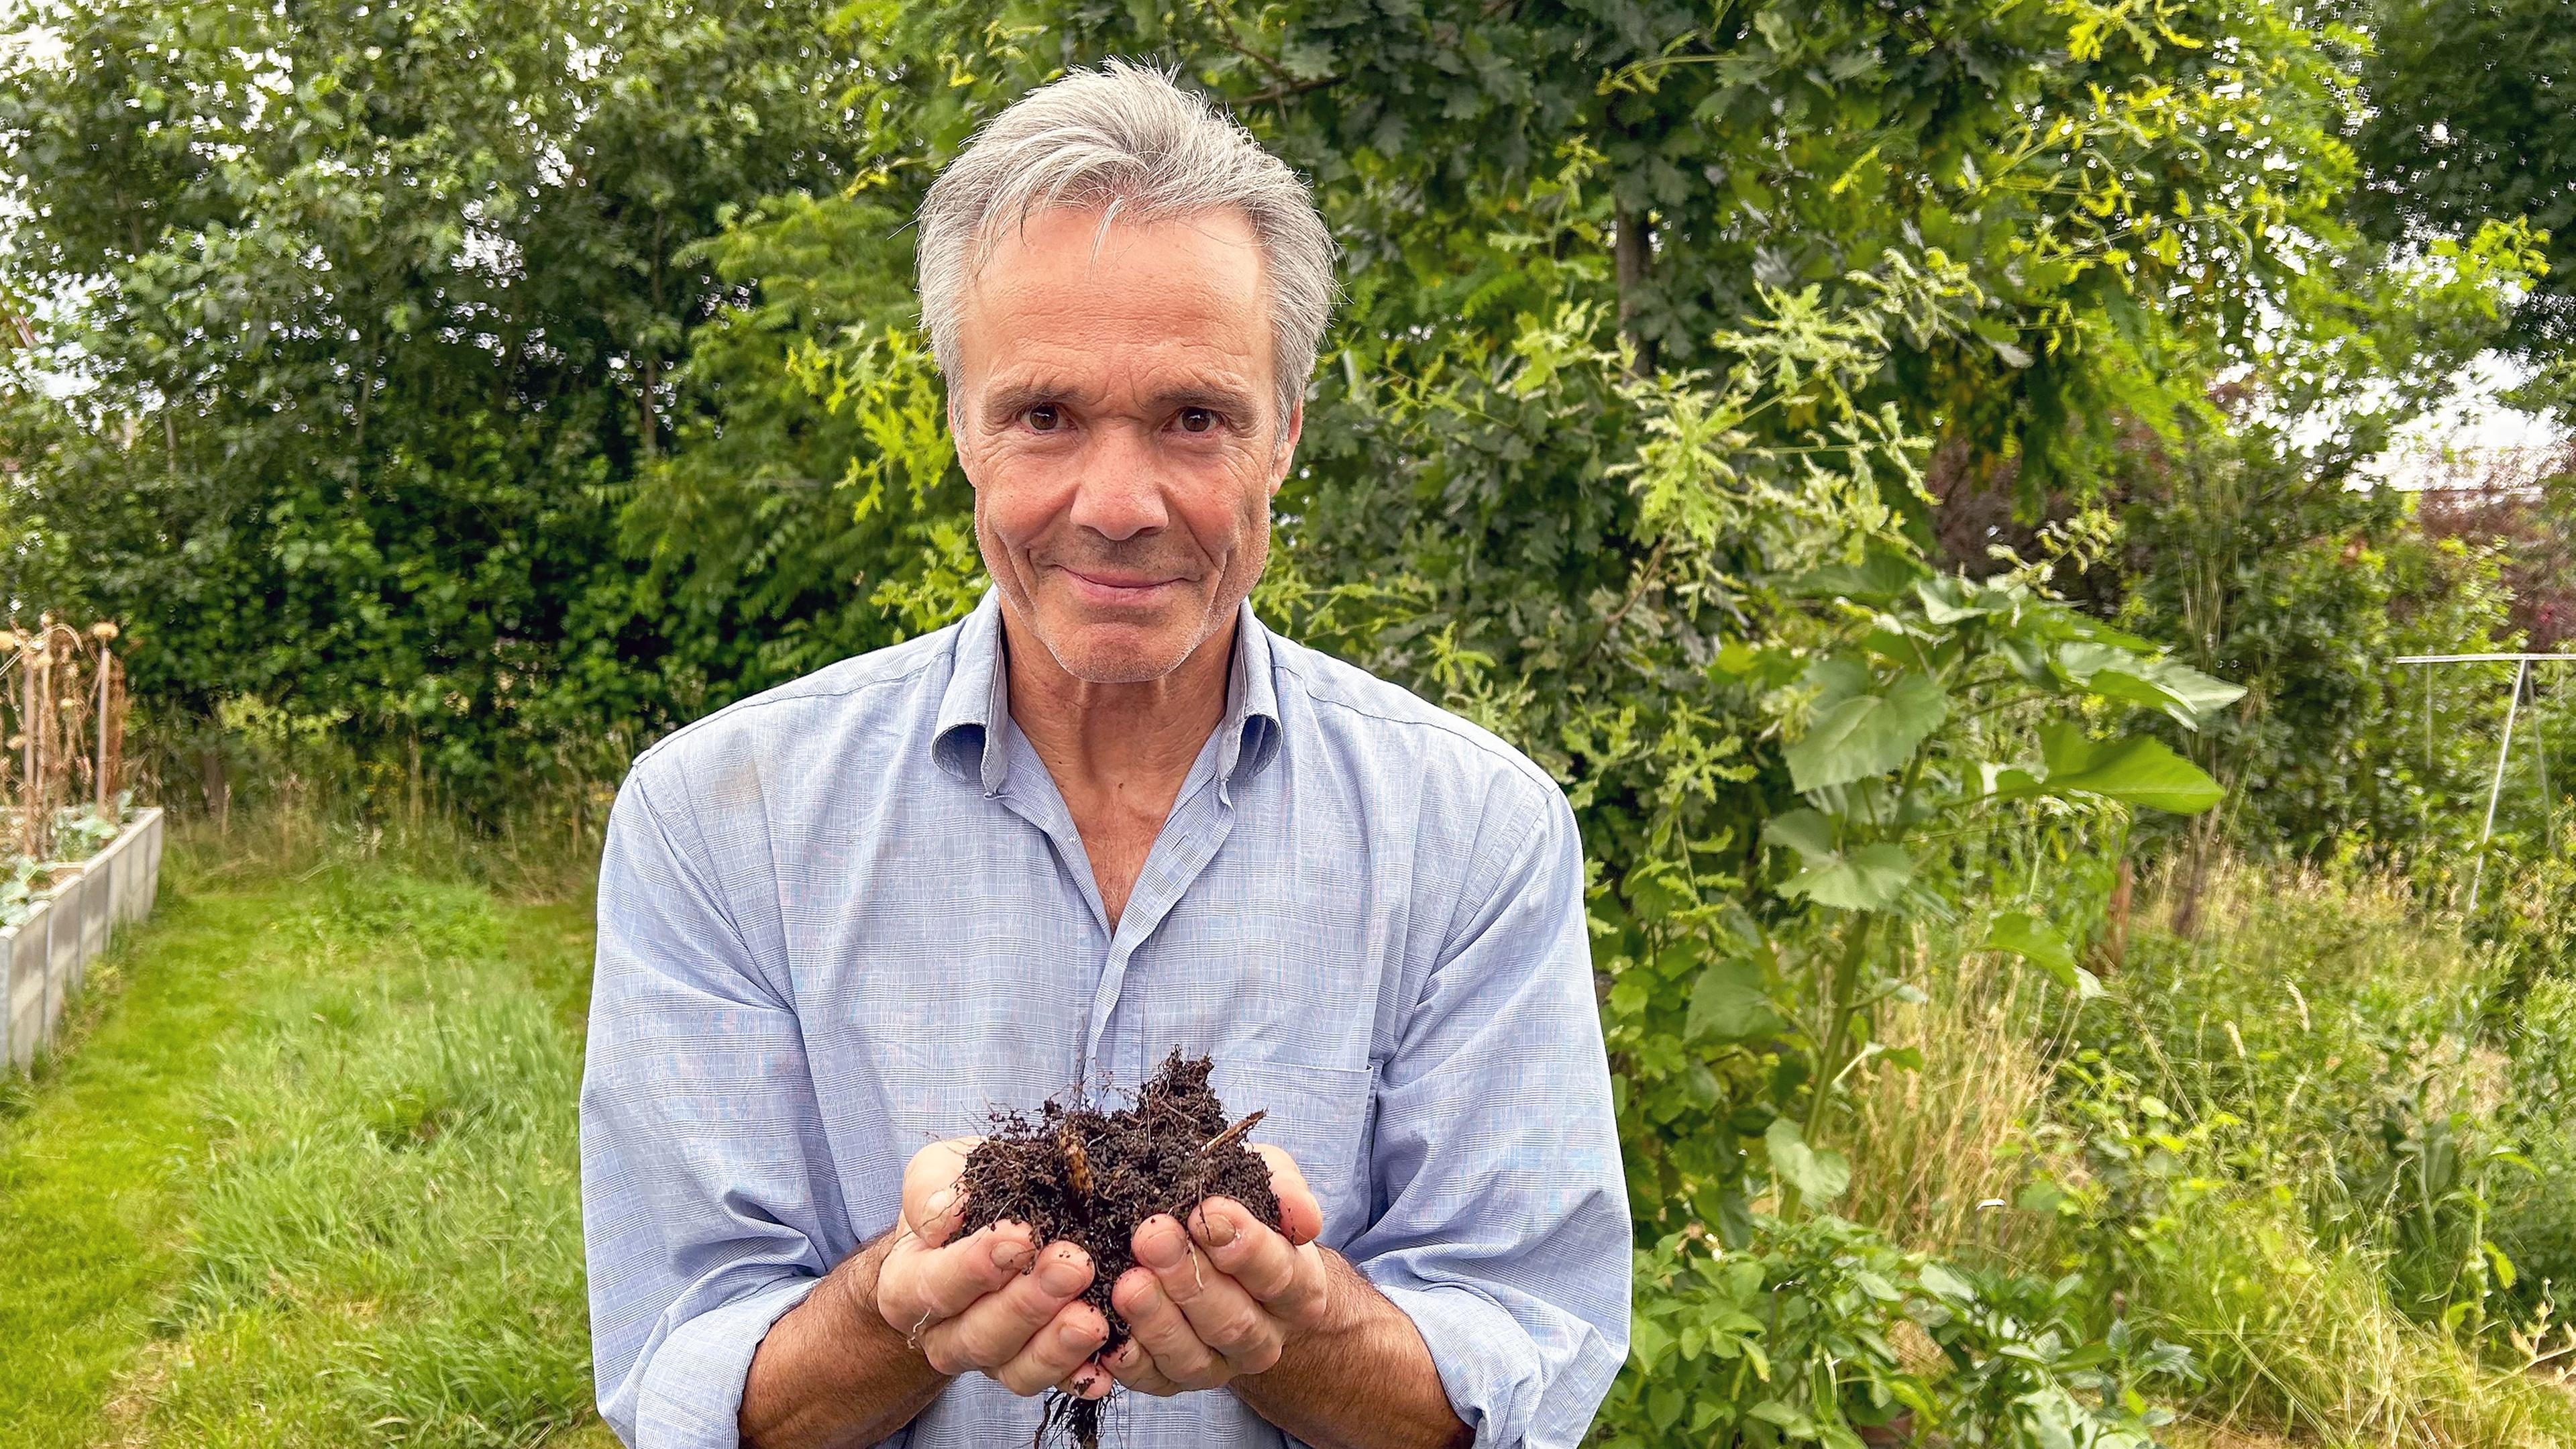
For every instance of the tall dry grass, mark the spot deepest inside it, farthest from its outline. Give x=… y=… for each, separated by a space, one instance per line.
x=1948 y=1147
x=2265 y=1014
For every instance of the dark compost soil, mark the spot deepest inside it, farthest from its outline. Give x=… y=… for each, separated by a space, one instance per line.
x=1088 y=1177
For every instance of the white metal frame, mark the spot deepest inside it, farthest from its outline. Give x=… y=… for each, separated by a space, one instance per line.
x=2504 y=749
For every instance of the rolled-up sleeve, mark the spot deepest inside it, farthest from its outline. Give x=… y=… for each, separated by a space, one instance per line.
x=707 y=1197
x=1504 y=1230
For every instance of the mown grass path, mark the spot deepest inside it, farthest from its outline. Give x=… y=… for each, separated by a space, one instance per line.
x=306 y=1177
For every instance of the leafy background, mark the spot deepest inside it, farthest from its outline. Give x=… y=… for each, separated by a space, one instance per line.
x=1903 y=467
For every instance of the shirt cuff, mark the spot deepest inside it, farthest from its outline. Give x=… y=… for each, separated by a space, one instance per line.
x=1488 y=1366
x=692 y=1391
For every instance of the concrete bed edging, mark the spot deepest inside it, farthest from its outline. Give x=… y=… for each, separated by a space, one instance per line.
x=45 y=958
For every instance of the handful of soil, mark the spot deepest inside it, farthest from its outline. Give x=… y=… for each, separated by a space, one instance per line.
x=1088 y=1178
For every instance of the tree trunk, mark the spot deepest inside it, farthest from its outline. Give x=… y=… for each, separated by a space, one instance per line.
x=1633 y=250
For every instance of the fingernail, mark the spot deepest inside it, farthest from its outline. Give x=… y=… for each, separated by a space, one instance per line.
x=1075 y=1336
x=1216 y=1229
x=940 y=1200
x=1009 y=1253
x=1161 y=1247
x=1064 y=1274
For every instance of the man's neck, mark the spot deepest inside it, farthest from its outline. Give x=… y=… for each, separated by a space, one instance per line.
x=1117 y=752
x=1099 y=734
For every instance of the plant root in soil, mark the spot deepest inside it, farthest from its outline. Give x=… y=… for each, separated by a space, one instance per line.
x=1088 y=1177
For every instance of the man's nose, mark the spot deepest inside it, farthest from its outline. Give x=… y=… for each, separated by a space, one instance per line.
x=1120 y=493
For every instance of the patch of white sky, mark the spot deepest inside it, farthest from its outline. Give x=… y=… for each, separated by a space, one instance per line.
x=2469 y=429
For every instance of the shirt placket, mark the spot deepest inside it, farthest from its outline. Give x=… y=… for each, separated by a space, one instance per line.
x=1199 y=822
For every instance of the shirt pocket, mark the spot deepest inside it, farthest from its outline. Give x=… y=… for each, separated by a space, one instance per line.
x=1321 y=1117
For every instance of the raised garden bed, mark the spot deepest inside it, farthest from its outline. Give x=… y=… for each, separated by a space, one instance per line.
x=45 y=956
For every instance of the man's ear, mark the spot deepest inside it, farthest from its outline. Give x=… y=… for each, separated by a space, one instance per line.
x=957 y=436
x=1284 y=453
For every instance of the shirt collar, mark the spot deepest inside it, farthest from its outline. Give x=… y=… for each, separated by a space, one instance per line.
x=971 y=739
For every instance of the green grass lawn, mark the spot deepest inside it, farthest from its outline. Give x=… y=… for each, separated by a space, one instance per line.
x=306 y=1175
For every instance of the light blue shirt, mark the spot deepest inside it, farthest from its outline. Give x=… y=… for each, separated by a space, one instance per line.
x=851 y=916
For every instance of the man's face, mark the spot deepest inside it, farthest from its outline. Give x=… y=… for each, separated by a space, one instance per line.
x=1114 y=406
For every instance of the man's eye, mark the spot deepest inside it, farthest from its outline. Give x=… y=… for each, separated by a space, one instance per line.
x=1197 y=420
x=1044 y=417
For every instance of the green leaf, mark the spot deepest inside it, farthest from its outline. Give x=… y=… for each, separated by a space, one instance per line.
x=1940 y=1282
x=2027 y=658
x=1946 y=600
x=1819 y=1174
x=1877 y=579
x=2042 y=1196
x=1807 y=832
x=2043 y=946
x=1837 y=678
x=2108 y=671
x=2032 y=939
x=2139 y=770
x=1867 y=879
x=1647 y=1341
x=2192 y=693
x=1867 y=735
x=2008 y=782
x=1729 y=1003
x=1788 y=1420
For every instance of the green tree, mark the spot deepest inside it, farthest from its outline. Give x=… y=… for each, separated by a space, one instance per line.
x=2469 y=122
x=370 y=312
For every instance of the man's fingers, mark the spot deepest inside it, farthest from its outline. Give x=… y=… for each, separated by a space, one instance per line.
x=1132 y=1366
x=1164 y=1333
x=1088 y=1380
x=1224 y=1317
x=996 y=1328
x=1301 y=1217
x=934 y=1201
x=1244 y=1248
x=920 y=1286
x=1055 y=1350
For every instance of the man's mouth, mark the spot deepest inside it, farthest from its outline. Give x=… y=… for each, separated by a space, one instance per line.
x=1115 y=587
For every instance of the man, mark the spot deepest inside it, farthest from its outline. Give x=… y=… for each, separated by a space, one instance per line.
x=1107 y=815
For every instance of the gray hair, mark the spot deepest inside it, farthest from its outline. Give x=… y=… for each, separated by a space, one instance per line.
x=1125 y=140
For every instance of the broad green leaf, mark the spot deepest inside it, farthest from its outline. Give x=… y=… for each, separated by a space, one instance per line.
x=1946 y=600
x=2008 y=782
x=1940 y=1282
x=2183 y=693
x=2196 y=696
x=2028 y=658
x=1788 y=1420
x=1664 y=1405
x=2032 y=939
x=2042 y=1196
x=1729 y=1003
x=1819 y=1174
x=1878 y=578
x=2044 y=946
x=2139 y=770
x=1807 y=832
x=1647 y=1341
x=1868 y=879
x=1867 y=735
x=1837 y=678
